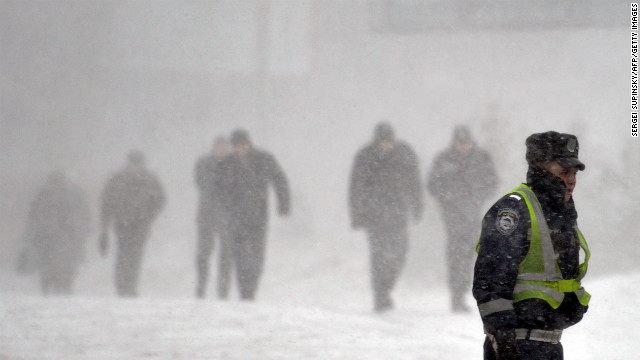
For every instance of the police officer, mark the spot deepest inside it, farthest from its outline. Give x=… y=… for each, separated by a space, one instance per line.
x=131 y=200
x=461 y=178
x=528 y=270
x=244 y=178
x=384 y=194
x=211 y=218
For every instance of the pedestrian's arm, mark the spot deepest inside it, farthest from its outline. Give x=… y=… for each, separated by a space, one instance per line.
x=414 y=185
x=106 y=216
x=107 y=207
x=159 y=197
x=203 y=176
x=281 y=185
x=198 y=174
x=223 y=184
x=27 y=261
x=356 y=192
x=435 y=178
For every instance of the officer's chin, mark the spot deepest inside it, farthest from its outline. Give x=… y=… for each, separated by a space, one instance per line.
x=567 y=196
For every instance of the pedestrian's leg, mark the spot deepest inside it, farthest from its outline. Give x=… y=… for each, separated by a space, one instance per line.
x=463 y=251
x=456 y=263
x=381 y=299
x=236 y=256
x=123 y=260
x=251 y=261
x=136 y=266
x=128 y=262
x=395 y=254
x=122 y=266
x=243 y=267
x=459 y=282
x=224 y=266
x=391 y=246
x=205 y=247
x=466 y=260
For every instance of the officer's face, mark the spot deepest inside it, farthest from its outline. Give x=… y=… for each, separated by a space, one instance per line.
x=568 y=175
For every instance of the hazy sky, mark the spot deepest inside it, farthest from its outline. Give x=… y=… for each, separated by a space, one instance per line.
x=84 y=81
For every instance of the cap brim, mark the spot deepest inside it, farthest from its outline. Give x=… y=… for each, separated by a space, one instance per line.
x=570 y=162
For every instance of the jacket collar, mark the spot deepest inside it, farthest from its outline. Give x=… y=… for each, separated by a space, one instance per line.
x=549 y=189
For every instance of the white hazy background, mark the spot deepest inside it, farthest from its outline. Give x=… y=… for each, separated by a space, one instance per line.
x=83 y=82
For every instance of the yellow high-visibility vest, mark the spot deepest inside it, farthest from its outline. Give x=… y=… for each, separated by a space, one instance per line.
x=539 y=275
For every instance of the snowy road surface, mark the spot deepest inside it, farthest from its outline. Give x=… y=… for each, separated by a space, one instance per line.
x=420 y=328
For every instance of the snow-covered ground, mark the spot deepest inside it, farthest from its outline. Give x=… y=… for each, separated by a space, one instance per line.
x=314 y=302
x=340 y=327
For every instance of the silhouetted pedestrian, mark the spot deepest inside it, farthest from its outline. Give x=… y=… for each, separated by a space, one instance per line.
x=243 y=183
x=131 y=200
x=211 y=218
x=384 y=193
x=57 y=228
x=462 y=177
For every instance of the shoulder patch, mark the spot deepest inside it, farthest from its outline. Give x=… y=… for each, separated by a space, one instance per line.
x=507 y=221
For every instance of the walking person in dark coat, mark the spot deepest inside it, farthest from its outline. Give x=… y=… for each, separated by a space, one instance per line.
x=461 y=178
x=243 y=183
x=58 y=225
x=131 y=200
x=211 y=218
x=528 y=274
x=384 y=193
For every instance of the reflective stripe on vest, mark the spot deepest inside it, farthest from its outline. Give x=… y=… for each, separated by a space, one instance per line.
x=539 y=274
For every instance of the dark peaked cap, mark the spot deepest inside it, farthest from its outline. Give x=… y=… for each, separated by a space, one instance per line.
x=554 y=146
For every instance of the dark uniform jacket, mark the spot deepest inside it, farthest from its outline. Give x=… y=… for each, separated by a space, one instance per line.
x=243 y=187
x=462 y=183
x=385 y=187
x=132 y=197
x=503 y=248
x=209 y=206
